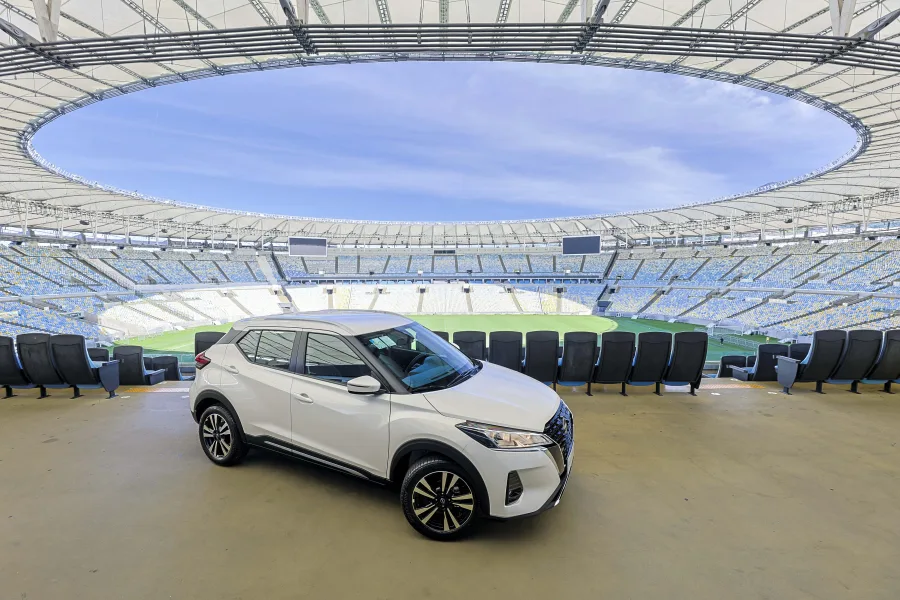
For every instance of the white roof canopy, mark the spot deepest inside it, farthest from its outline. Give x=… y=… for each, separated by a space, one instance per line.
x=856 y=80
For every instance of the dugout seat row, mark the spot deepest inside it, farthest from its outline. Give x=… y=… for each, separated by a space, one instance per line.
x=44 y=361
x=845 y=357
x=651 y=358
x=53 y=361
x=760 y=366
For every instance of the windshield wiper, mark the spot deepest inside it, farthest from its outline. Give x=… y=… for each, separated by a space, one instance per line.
x=462 y=376
x=433 y=386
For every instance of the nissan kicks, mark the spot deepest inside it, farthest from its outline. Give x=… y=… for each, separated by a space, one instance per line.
x=381 y=397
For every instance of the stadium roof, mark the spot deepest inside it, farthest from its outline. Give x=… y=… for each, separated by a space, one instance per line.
x=57 y=59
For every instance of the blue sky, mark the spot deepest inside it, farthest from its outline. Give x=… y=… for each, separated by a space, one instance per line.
x=444 y=141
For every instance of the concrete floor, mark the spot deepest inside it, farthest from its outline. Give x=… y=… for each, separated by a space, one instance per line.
x=739 y=493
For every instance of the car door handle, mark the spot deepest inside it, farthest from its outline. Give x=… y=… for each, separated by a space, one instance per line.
x=303 y=397
x=231 y=369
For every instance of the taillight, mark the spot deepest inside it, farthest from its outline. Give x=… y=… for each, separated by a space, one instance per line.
x=201 y=361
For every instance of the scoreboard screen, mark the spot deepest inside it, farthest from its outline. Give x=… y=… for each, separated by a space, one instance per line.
x=307 y=246
x=586 y=244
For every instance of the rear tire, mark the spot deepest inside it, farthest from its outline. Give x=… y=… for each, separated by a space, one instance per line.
x=438 y=499
x=220 y=437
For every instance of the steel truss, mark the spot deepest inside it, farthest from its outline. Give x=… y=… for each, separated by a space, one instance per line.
x=39 y=215
x=605 y=38
x=591 y=44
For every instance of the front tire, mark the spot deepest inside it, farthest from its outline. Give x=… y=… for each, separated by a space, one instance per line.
x=438 y=499
x=220 y=437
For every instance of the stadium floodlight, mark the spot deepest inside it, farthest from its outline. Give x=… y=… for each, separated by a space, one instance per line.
x=877 y=25
x=17 y=34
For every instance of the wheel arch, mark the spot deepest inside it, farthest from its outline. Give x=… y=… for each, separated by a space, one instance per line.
x=420 y=448
x=211 y=398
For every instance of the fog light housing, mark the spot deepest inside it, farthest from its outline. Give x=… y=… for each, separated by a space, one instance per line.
x=514 y=487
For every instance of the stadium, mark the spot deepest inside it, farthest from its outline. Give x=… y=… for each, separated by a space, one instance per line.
x=780 y=264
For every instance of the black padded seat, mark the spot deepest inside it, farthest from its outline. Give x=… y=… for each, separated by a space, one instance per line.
x=798 y=351
x=860 y=355
x=650 y=359
x=131 y=367
x=505 y=349
x=168 y=364
x=820 y=363
x=70 y=355
x=616 y=356
x=443 y=335
x=99 y=354
x=11 y=374
x=729 y=361
x=688 y=359
x=37 y=361
x=471 y=343
x=576 y=366
x=541 y=356
x=887 y=368
x=763 y=367
x=204 y=339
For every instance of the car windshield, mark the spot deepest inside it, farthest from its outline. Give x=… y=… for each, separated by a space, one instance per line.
x=419 y=358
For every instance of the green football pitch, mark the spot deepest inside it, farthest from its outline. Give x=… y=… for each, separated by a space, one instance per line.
x=181 y=343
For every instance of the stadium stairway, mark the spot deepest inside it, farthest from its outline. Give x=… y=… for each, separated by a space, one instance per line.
x=420 y=301
x=167 y=310
x=374 y=298
x=775 y=264
x=237 y=303
x=609 y=265
x=803 y=273
x=837 y=302
x=700 y=268
x=193 y=309
x=739 y=313
x=98 y=265
x=656 y=295
x=707 y=298
x=266 y=267
x=512 y=294
x=469 y=302
x=857 y=267
x=662 y=275
x=729 y=277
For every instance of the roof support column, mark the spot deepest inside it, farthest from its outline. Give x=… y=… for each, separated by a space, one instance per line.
x=47 y=14
x=841 y=16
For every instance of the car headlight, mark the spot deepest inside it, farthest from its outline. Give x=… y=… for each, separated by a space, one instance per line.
x=502 y=438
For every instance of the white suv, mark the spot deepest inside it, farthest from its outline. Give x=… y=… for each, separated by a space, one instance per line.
x=381 y=397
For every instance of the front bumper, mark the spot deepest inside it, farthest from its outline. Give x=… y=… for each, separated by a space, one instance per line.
x=543 y=472
x=554 y=499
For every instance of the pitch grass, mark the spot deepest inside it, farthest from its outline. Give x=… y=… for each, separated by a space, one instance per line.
x=182 y=342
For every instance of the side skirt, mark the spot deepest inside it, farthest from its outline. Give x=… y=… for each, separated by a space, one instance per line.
x=288 y=449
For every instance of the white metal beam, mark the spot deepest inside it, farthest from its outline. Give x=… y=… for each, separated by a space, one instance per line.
x=47 y=14
x=841 y=16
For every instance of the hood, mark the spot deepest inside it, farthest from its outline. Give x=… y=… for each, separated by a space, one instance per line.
x=498 y=396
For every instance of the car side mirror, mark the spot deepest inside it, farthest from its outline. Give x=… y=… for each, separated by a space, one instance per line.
x=364 y=385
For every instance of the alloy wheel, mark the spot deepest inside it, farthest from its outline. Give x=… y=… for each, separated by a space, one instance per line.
x=217 y=436
x=443 y=501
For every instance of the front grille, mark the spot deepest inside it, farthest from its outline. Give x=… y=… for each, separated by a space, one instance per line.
x=561 y=429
